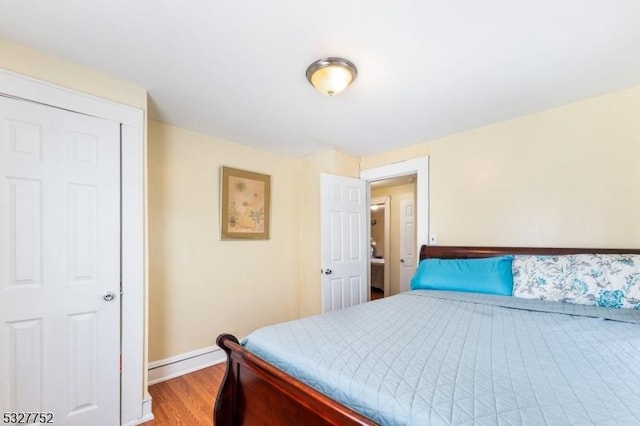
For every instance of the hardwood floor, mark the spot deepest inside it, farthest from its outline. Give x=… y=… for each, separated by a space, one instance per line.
x=376 y=293
x=186 y=400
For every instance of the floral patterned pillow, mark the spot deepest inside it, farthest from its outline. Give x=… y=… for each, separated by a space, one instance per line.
x=585 y=278
x=539 y=277
x=623 y=279
x=607 y=280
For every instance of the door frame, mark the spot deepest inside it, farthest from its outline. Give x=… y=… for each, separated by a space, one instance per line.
x=420 y=167
x=133 y=310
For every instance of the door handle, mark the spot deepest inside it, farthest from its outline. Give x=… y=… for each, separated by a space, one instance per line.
x=328 y=271
x=401 y=260
x=109 y=296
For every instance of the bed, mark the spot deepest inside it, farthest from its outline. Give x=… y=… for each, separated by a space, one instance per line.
x=440 y=358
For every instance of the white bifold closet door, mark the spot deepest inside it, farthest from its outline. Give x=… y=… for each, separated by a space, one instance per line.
x=59 y=264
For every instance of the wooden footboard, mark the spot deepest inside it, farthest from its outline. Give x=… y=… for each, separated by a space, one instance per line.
x=254 y=392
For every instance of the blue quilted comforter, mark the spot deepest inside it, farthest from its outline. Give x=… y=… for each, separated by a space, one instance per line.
x=443 y=358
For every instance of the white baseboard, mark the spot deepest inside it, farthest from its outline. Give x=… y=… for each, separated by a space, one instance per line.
x=147 y=415
x=178 y=365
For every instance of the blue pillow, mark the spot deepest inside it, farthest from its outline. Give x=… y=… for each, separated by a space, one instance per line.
x=491 y=275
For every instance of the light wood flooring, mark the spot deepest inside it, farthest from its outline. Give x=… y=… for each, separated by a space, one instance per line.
x=186 y=400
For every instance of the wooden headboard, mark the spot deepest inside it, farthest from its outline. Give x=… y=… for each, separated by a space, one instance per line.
x=459 y=252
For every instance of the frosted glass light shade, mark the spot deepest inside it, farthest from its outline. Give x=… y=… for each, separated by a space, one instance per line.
x=331 y=76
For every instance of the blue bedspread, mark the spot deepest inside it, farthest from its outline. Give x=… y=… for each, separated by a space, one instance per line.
x=443 y=358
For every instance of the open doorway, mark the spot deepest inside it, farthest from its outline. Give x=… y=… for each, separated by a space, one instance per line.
x=412 y=208
x=393 y=234
x=380 y=246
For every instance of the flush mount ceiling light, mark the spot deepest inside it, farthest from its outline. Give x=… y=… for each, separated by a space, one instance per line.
x=331 y=76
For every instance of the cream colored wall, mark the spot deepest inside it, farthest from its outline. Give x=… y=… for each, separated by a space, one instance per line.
x=309 y=277
x=569 y=176
x=396 y=193
x=201 y=286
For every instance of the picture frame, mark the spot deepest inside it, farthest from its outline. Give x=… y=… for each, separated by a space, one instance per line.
x=245 y=204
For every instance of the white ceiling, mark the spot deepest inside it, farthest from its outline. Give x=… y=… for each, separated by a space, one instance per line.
x=236 y=69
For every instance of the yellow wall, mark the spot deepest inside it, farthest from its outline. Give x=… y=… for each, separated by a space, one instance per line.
x=201 y=286
x=569 y=176
x=396 y=193
x=309 y=233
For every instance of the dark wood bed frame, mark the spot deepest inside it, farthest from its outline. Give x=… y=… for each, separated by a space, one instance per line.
x=254 y=392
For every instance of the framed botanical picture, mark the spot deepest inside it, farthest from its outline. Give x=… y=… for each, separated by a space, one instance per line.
x=245 y=204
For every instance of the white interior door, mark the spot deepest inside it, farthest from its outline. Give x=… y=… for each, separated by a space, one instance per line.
x=59 y=264
x=345 y=255
x=407 y=242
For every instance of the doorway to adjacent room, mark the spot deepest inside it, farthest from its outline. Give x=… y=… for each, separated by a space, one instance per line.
x=392 y=234
x=406 y=185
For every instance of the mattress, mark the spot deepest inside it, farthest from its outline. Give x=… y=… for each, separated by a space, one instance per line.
x=445 y=358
